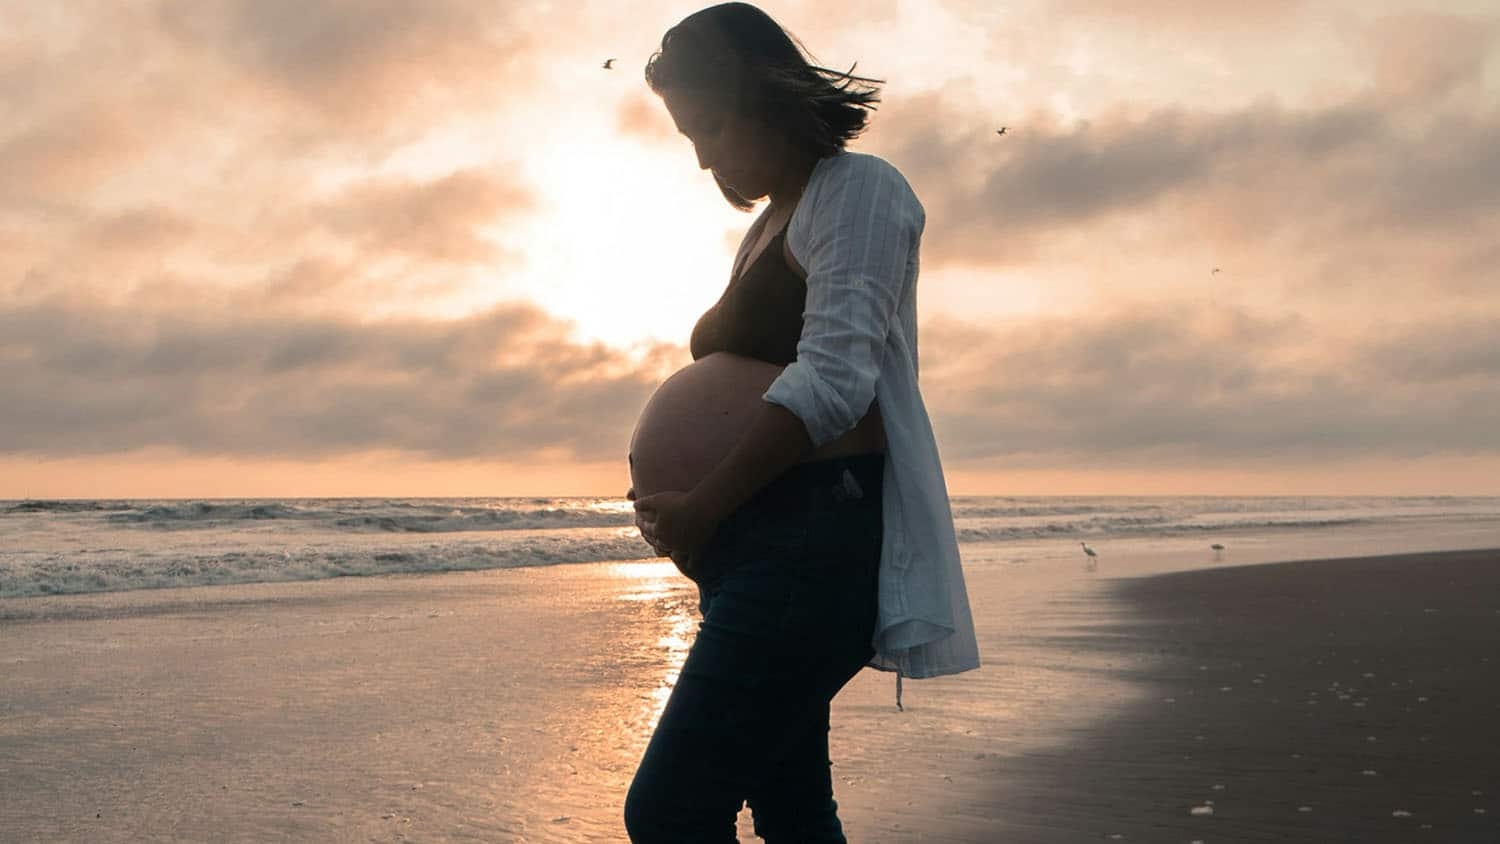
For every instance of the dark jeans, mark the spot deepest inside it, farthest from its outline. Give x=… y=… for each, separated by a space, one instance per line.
x=788 y=588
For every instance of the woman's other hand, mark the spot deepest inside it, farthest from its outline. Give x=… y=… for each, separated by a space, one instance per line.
x=648 y=532
x=673 y=524
x=646 y=524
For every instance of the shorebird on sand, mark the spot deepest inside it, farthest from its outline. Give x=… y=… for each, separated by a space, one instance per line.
x=1093 y=556
x=1218 y=550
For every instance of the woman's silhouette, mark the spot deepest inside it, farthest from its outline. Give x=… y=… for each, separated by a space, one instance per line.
x=822 y=541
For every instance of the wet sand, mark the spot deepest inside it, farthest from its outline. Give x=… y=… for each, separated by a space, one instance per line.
x=1320 y=701
x=513 y=705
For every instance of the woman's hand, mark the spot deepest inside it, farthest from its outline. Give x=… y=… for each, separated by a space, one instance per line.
x=648 y=533
x=647 y=528
x=674 y=525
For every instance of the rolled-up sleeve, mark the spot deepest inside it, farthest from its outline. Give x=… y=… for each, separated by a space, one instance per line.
x=863 y=234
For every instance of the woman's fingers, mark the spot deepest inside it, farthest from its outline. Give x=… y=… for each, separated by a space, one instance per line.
x=647 y=527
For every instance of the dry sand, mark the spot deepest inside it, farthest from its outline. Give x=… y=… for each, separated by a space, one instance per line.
x=513 y=705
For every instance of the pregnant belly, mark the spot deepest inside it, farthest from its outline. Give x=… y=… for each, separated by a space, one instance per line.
x=696 y=416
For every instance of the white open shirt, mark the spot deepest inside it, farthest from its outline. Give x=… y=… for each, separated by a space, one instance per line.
x=857 y=231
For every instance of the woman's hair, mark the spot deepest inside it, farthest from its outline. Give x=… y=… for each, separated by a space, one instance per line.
x=737 y=55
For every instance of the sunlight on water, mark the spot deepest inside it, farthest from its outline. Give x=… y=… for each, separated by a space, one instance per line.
x=672 y=608
x=613 y=505
x=683 y=622
x=676 y=643
x=647 y=581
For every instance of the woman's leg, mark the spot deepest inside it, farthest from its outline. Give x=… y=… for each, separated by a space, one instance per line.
x=787 y=627
x=730 y=706
x=795 y=800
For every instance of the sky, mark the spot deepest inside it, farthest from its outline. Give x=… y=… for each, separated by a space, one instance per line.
x=266 y=248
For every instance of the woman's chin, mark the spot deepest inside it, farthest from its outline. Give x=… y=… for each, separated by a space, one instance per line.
x=743 y=186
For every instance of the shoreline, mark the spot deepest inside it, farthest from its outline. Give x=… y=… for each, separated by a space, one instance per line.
x=512 y=705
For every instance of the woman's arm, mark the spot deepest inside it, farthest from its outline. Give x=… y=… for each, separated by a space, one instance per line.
x=684 y=521
x=862 y=236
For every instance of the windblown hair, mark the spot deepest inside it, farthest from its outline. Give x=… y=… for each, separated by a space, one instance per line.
x=738 y=55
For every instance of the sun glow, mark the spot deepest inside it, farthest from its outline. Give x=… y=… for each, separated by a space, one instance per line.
x=628 y=243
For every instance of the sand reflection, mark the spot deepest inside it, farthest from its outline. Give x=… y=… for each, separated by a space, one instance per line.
x=672 y=610
x=649 y=580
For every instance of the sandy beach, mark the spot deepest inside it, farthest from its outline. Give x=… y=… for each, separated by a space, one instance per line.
x=1338 y=700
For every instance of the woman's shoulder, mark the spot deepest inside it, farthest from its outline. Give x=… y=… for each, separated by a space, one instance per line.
x=846 y=165
x=849 y=176
x=853 y=188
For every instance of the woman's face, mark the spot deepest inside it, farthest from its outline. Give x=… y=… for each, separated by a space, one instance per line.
x=744 y=154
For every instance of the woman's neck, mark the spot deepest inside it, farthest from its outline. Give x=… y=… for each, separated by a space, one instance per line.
x=785 y=196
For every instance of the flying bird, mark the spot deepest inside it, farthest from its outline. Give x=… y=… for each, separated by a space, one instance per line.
x=1001 y=130
x=1216 y=269
x=609 y=64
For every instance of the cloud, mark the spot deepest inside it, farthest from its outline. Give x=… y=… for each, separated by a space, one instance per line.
x=644 y=116
x=436 y=220
x=1462 y=350
x=70 y=153
x=1347 y=209
x=375 y=243
x=135 y=231
x=1353 y=164
x=360 y=64
x=1422 y=58
x=1205 y=14
x=1194 y=386
x=93 y=380
x=1385 y=175
x=1134 y=387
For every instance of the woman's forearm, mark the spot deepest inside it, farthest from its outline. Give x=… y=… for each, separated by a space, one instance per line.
x=775 y=441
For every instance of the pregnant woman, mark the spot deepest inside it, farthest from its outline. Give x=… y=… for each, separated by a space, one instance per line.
x=791 y=470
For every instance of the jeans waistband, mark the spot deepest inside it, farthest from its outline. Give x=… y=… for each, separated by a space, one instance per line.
x=855 y=477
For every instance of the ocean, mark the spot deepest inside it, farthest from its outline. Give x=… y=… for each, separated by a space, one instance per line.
x=80 y=546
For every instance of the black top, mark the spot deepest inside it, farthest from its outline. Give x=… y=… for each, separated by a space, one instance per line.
x=760 y=314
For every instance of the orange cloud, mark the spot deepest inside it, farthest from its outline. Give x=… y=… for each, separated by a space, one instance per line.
x=643 y=116
x=435 y=221
x=1425 y=57
x=211 y=380
x=73 y=152
x=1197 y=386
x=1208 y=387
x=360 y=64
x=1204 y=14
x=1352 y=190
